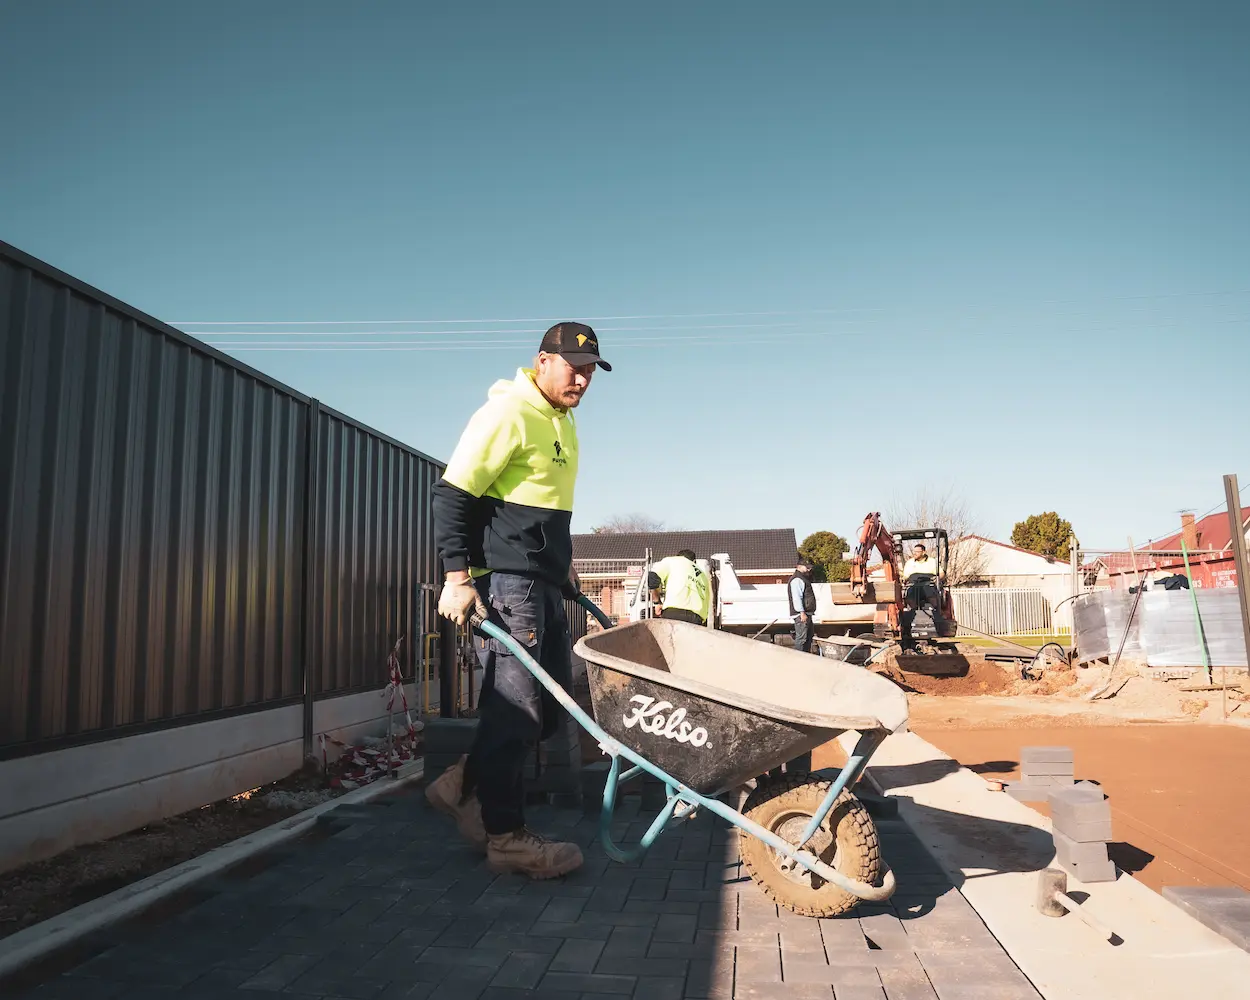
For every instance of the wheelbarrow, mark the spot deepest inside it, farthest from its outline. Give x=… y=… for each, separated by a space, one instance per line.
x=705 y=712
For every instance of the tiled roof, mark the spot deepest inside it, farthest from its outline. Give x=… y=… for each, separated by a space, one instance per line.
x=1212 y=532
x=771 y=548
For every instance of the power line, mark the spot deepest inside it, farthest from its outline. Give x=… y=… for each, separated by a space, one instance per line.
x=1222 y=505
x=473 y=333
x=701 y=315
x=733 y=335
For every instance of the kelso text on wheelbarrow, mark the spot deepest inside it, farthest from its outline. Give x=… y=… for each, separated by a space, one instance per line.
x=646 y=716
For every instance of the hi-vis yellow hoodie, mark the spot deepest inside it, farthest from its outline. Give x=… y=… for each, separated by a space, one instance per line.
x=505 y=502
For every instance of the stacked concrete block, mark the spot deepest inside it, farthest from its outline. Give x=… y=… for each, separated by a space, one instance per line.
x=446 y=741
x=594 y=777
x=553 y=773
x=1081 y=819
x=1042 y=770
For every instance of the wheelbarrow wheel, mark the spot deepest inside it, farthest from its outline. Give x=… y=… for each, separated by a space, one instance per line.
x=847 y=842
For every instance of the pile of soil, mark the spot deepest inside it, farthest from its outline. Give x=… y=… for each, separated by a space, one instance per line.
x=36 y=892
x=981 y=678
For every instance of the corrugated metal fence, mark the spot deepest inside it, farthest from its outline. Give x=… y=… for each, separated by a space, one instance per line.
x=167 y=550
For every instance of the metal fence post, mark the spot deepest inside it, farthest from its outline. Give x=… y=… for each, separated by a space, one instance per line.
x=309 y=605
x=1237 y=538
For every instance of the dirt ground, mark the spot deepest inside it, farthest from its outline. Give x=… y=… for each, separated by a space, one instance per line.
x=42 y=890
x=1177 y=818
x=1163 y=755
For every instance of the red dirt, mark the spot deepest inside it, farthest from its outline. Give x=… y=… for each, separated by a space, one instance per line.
x=1178 y=815
x=981 y=678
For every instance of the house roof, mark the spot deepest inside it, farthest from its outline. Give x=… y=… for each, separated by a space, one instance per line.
x=770 y=548
x=1213 y=541
x=1005 y=545
x=1212 y=531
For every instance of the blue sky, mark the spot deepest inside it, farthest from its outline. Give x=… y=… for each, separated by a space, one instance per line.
x=999 y=250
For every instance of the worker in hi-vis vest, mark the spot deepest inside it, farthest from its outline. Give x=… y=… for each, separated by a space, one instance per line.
x=501 y=522
x=920 y=563
x=681 y=588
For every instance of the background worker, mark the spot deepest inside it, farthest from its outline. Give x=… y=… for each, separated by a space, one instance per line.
x=920 y=576
x=802 y=597
x=687 y=590
x=920 y=563
x=501 y=522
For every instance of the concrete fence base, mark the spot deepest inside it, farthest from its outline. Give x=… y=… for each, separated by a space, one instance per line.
x=54 y=801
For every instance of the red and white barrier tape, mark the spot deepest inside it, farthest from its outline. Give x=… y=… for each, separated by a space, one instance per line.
x=360 y=765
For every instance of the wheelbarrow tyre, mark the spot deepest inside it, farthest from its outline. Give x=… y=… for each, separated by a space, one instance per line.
x=848 y=831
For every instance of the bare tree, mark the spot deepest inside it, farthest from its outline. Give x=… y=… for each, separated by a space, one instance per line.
x=930 y=508
x=629 y=524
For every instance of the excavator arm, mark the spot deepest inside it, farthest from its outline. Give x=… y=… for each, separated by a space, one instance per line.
x=873 y=535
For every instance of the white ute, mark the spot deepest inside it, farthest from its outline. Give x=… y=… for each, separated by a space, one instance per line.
x=763 y=608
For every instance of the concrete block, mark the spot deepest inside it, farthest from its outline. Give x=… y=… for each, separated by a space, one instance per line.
x=449 y=735
x=1097 y=871
x=1045 y=767
x=1226 y=910
x=1082 y=833
x=1073 y=852
x=1081 y=803
x=1028 y=793
x=1046 y=780
x=1046 y=755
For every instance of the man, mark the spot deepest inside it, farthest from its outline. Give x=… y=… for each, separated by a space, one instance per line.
x=920 y=575
x=687 y=591
x=802 y=596
x=501 y=523
x=920 y=563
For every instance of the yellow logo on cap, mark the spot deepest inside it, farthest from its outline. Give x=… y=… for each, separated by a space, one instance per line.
x=581 y=340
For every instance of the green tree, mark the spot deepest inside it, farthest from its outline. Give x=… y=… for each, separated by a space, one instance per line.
x=825 y=549
x=1047 y=534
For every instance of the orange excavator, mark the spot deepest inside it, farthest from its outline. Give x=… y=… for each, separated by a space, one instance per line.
x=923 y=610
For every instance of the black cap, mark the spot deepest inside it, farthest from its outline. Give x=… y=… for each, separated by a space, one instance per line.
x=577 y=343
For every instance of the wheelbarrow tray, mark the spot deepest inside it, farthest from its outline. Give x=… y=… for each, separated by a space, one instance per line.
x=714 y=709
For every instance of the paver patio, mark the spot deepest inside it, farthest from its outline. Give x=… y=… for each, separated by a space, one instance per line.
x=387 y=902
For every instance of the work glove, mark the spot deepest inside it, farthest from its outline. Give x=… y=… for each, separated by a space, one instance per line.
x=569 y=591
x=458 y=601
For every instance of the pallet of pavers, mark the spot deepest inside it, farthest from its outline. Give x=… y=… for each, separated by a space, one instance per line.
x=1081 y=818
x=1042 y=770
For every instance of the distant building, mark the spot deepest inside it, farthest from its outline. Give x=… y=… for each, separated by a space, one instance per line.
x=1208 y=543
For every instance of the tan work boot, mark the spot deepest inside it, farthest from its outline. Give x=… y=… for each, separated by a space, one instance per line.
x=444 y=793
x=526 y=853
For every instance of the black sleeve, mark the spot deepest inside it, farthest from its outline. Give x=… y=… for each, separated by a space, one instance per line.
x=453 y=512
x=653 y=582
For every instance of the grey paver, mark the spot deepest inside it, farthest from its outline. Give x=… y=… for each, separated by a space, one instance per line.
x=522 y=970
x=588 y=982
x=1225 y=910
x=280 y=972
x=402 y=909
x=1047 y=754
x=577 y=955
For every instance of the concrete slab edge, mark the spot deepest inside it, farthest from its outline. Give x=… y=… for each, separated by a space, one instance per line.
x=56 y=933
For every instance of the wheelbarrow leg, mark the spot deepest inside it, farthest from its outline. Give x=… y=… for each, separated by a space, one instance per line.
x=865 y=746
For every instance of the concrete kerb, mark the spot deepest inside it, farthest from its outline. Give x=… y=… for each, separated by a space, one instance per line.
x=57 y=933
x=993 y=847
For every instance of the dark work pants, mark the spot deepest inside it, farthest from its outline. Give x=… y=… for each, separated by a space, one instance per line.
x=682 y=615
x=515 y=711
x=804 y=633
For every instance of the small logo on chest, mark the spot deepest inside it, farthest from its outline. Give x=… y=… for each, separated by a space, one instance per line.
x=560 y=459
